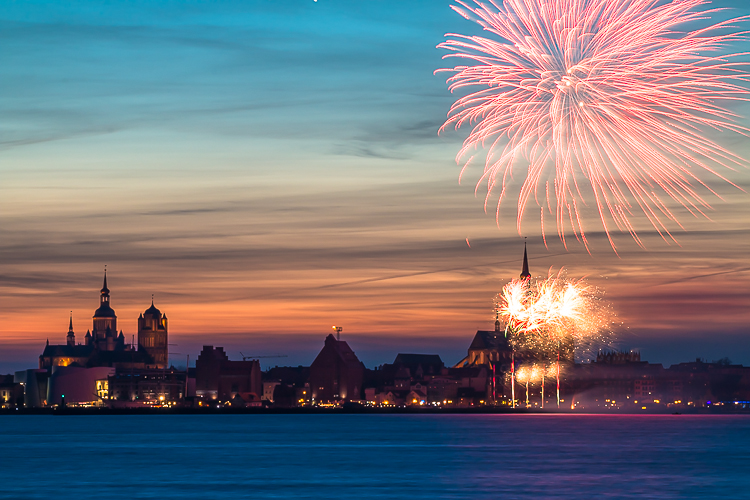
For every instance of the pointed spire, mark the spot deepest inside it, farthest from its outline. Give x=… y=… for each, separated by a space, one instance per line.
x=105 y=279
x=71 y=339
x=525 y=274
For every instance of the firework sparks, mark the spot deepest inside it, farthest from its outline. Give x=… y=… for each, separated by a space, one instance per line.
x=549 y=317
x=611 y=93
x=542 y=314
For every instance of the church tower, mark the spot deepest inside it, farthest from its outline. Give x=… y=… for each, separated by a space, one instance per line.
x=104 y=333
x=152 y=335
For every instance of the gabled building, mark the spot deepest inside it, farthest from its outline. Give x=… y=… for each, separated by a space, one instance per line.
x=337 y=373
x=487 y=347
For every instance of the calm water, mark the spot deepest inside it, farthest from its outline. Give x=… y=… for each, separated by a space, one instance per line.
x=375 y=456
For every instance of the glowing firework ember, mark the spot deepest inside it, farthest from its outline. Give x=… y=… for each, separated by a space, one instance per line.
x=609 y=92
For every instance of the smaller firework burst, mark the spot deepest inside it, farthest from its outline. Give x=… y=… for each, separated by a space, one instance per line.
x=548 y=319
x=553 y=314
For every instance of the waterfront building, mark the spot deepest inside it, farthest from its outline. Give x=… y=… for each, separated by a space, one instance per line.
x=287 y=386
x=34 y=383
x=11 y=392
x=336 y=374
x=78 y=386
x=145 y=387
x=219 y=379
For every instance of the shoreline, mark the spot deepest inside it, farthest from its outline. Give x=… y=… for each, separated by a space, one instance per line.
x=363 y=411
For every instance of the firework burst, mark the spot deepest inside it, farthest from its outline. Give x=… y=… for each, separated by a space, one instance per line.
x=605 y=101
x=548 y=318
x=544 y=314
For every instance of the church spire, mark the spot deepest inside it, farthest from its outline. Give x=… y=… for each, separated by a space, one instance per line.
x=525 y=274
x=104 y=298
x=71 y=339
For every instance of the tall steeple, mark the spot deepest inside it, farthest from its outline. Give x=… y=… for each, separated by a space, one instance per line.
x=525 y=274
x=71 y=334
x=105 y=319
x=105 y=291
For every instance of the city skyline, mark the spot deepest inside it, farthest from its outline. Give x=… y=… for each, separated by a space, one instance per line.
x=267 y=171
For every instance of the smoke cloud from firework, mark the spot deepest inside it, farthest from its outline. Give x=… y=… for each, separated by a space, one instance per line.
x=605 y=103
x=543 y=314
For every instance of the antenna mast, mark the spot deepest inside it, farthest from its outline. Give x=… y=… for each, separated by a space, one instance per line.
x=338 y=329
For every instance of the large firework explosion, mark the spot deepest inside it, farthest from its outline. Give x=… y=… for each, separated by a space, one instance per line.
x=614 y=94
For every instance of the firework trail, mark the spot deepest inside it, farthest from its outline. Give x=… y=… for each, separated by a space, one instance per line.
x=610 y=94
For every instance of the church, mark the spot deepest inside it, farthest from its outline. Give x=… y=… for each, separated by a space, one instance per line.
x=104 y=346
x=492 y=348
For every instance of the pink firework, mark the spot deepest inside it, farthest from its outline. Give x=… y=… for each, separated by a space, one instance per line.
x=611 y=93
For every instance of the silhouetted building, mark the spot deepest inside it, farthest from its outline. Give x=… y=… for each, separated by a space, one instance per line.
x=420 y=365
x=34 y=384
x=103 y=346
x=406 y=381
x=11 y=392
x=718 y=381
x=147 y=386
x=336 y=374
x=78 y=386
x=618 y=357
x=287 y=386
x=218 y=378
x=486 y=348
x=616 y=379
x=153 y=336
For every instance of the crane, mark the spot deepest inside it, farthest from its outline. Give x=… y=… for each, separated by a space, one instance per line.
x=245 y=358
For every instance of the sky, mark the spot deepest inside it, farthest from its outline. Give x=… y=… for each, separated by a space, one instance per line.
x=268 y=169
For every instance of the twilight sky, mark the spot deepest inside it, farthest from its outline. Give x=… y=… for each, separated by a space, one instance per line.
x=270 y=168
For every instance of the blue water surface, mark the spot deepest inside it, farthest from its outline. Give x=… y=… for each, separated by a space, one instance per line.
x=375 y=456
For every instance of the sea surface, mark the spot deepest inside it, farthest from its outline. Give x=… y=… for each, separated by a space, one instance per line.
x=374 y=456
